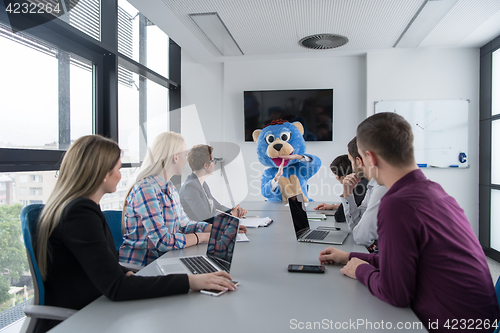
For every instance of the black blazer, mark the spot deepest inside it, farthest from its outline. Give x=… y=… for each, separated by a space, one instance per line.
x=359 y=193
x=195 y=202
x=83 y=265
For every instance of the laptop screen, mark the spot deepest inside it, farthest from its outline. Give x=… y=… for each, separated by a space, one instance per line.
x=222 y=239
x=299 y=215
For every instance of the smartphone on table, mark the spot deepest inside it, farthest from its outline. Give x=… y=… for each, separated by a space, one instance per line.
x=216 y=293
x=306 y=268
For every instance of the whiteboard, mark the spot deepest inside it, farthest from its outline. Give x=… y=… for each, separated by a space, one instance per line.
x=440 y=129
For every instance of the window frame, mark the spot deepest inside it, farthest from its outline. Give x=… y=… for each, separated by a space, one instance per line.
x=485 y=145
x=105 y=57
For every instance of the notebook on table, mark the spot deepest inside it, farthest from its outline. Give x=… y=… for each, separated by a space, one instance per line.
x=302 y=230
x=219 y=254
x=256 y=222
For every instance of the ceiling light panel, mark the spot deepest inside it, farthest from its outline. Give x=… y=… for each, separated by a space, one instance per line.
x=426 y=19
x=215 y=30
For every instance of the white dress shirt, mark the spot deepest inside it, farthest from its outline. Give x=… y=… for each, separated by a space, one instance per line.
x=362 y=220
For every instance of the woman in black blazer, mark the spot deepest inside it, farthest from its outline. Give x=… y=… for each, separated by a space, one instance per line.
x=196 y=198
x=74 y=247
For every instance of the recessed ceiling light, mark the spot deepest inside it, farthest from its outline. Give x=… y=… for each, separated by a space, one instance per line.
x=217 y=32
x=323 y=41
x=427 y=17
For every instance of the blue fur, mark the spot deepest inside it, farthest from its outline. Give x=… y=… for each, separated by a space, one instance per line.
x=303 y=170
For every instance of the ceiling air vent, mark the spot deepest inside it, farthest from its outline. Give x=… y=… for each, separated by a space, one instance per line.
x=323 y=41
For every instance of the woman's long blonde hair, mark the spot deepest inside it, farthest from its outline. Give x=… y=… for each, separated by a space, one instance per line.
x=160 y=155
x=83 y=169
x=158 y=158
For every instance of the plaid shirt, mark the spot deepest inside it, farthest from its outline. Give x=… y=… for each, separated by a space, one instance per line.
x=154 y=222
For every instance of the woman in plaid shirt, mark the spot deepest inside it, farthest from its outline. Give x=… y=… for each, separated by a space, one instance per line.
x=154 y=220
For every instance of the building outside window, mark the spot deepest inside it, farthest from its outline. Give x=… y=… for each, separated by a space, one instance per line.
x=68 y=99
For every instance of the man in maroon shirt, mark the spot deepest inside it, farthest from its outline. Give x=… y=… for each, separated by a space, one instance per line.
x=429 y=258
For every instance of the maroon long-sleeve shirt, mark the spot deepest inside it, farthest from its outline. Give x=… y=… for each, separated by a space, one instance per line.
x=429 y=259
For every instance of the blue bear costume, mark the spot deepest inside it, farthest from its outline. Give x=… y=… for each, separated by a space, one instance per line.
x=282 y=138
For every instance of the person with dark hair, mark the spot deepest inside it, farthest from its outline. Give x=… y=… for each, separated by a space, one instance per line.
x=361 y=220
x=341 y=167
x=430 y=259
x=196 y=198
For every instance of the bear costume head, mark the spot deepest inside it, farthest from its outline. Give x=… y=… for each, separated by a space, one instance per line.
x=279 y=138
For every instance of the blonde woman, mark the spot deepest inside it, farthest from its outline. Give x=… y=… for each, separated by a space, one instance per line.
x=74 y=246
x=154 y=221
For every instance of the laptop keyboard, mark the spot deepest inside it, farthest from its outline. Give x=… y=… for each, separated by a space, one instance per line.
x=317 y=234
x=198 y=265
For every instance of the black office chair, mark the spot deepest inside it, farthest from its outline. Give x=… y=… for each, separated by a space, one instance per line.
x=38 y=309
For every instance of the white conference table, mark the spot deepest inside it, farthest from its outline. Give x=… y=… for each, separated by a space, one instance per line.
x=269 y=298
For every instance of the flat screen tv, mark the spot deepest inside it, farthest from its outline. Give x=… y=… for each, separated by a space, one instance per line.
x=311 y=107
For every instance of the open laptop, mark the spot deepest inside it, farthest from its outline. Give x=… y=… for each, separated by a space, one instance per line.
x=302 y=230
x=219 y=250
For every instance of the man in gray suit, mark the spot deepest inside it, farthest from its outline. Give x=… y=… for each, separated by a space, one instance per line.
x=196 y=198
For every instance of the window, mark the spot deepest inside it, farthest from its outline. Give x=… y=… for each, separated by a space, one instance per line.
x=142 y=115
x=69 y=90
x=495 y=219
x=489 y=150
x=81 y=14
x=495 y=83
x=36 y=191
x=55 y=105
x=495 y=152
x=86 y=17
x=13 y=199
x=143 y=98
x=115 y=200
x=141 y=40
x=36 y=178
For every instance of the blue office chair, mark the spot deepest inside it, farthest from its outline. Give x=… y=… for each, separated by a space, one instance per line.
x=114 y=220
x=29 y=217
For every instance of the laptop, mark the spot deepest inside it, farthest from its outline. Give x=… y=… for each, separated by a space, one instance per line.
x=219 y=250
x=302 y=230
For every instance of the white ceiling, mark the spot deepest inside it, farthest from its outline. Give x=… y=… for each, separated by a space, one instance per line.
x=271 y=29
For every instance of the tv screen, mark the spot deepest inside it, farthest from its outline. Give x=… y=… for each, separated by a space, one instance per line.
x=312 y=107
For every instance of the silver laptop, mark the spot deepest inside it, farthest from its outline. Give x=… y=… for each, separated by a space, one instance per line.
x=219 y=250
x=302 y=230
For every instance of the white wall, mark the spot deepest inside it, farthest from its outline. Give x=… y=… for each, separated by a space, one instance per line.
x=432 y=74
x=201 y=86
x=358 y=81
x=346 y=75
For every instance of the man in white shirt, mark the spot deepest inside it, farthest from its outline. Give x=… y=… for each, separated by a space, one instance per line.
x=361 y=220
